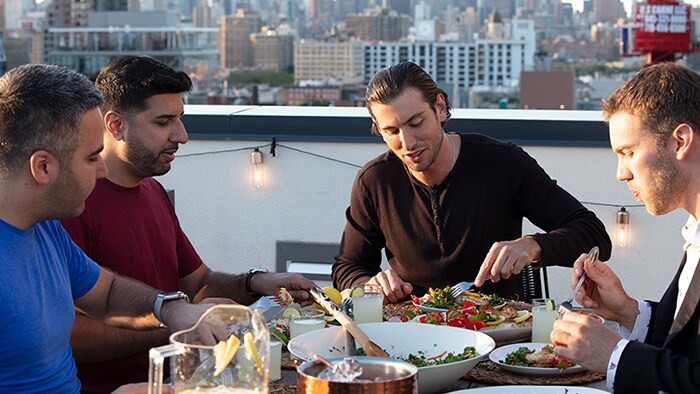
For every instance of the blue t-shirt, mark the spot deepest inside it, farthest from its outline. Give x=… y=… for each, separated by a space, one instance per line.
x=43 y=271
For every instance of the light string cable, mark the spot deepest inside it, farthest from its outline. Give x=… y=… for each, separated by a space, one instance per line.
x=274 y=144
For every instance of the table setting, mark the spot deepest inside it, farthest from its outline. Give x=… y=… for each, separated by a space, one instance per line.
x=472 y=342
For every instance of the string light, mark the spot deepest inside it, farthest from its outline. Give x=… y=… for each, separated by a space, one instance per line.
x=256 y=161
x=623 y=220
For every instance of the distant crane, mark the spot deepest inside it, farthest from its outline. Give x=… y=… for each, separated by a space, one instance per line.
x=661 y=31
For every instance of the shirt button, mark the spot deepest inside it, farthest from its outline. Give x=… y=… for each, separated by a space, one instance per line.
x=435 y=206
x=437 y=221
x=434 y=191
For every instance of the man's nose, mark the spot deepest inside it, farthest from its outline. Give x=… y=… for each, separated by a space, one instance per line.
x=179 y=134
x=623 y=173
x=408 y=138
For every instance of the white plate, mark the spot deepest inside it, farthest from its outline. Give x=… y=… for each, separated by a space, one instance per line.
x=402 y=339
x=530 y=390
x=428 y=309
x=503 y=335
x=500 y=354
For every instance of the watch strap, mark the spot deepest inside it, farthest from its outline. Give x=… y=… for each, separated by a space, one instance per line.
x=248 y=280
x=163 y=297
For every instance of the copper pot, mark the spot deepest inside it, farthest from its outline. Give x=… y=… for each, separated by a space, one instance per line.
x=396 y=377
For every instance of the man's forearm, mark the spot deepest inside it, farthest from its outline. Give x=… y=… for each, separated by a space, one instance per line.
x=219 y=284
x=93 y=341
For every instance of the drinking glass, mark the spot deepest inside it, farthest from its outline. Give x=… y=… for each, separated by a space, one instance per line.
x=542 y=320
x=275 y=360
x=368 y=307
x=309 y=321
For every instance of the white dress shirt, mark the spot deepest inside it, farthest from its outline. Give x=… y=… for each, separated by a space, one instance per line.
x=691 y=234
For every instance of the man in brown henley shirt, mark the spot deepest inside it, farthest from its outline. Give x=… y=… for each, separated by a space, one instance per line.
x=450 y=207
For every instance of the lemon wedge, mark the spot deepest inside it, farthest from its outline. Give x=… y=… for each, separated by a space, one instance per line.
x=472 y=294
x=251 y=350
x=290 y=312
x=224 y=352
x=333 y=294
x=522 y=316
x=346 y=293
x=496 y=322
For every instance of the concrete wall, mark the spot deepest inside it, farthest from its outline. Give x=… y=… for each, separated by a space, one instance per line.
x=235 y=226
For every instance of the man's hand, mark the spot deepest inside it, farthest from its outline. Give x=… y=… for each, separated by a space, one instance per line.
x=394 y=288
x=508 y=258
x=179 y=315
x=296 y=284
x=584 y=340
x=603 y=292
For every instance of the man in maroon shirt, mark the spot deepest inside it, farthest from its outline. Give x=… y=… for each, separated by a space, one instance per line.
x=130 y=226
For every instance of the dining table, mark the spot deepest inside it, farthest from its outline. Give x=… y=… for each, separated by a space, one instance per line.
x=483 y=375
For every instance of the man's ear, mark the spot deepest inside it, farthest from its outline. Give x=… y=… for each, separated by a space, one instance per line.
x=115 y=125
x=683 y=140
x=44 y=167
x=441 y=107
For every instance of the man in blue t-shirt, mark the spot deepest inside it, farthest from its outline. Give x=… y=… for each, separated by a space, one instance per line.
x=50 y=144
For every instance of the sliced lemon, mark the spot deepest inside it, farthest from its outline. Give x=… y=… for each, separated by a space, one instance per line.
x=333 y=294
x=224 y=352
x=472 y=294
x=251 y=350
x=496 y=322
x=522 y=316
x=346 y=293
x=290 y=312
x=357 y=291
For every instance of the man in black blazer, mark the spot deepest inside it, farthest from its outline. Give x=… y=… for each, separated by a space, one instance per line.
x=654 y=121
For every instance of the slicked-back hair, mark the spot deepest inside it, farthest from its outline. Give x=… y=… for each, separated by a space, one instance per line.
x=41 y=107
x=391 y=82
x=663 y=96
x=127 y=82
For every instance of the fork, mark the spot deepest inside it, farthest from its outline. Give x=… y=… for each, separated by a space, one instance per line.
x=268 y=305
x=463 y=286
x=592 y=259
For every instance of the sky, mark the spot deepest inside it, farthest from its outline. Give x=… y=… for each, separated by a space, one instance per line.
x=578 y=4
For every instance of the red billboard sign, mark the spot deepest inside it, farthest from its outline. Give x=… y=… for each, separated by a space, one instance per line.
x=662 y=26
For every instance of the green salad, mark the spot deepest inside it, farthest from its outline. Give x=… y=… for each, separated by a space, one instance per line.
x=423 y=360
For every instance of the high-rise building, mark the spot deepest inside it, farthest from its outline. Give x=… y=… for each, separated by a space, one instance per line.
x=272 y=51
x=321 y=15
x=383 y=26
x=234 y=42
x=337 y=62
x=461 y=64
x=608 y=11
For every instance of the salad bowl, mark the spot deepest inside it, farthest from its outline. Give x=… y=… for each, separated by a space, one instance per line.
x=400 y=340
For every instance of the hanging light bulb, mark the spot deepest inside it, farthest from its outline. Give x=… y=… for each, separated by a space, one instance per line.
x=623 y=221
x=256 y=160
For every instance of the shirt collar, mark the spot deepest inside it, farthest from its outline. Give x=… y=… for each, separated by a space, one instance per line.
x=691 y=233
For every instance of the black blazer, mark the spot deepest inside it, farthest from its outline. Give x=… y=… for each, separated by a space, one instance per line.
x=669 y=359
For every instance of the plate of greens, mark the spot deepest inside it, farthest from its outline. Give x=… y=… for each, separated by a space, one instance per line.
x=532 y=359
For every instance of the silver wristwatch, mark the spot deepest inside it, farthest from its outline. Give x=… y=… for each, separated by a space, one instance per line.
x=162 y=297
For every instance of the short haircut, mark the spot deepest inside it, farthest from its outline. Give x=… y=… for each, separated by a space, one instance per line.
x=390 y=83
x=663 y=96
x=41 y=107
x=127 y=82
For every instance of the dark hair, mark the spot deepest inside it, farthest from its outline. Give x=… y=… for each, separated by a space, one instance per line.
x=128 y=81
x=41 y=107
x=663 y=96
x=390 y=83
